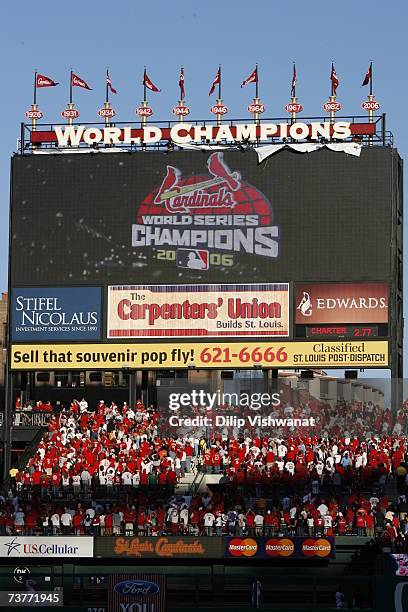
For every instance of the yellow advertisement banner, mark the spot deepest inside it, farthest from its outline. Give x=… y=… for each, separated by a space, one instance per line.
x=229 y=355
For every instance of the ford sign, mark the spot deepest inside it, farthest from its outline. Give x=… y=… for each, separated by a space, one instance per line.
x=137 y=588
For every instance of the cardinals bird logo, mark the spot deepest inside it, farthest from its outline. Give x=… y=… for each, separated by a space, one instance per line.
x=179 y=197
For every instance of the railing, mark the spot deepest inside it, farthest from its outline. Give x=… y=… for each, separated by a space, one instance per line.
x=31 y=419
x=28 y=419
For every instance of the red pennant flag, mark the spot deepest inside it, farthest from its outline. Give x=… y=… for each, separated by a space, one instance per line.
x=76 y=81
x=293 y=89
x=109 y=83
x=181 y=83
x=216 y=81
x=44 y=81
x=253 y=78
x=149 y=84
x=334 y=79
x=368 y=76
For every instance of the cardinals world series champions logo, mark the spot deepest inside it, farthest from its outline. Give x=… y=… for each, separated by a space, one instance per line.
x=204 y=221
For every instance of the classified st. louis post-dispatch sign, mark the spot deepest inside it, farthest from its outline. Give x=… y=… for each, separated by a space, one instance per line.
x=146 y=311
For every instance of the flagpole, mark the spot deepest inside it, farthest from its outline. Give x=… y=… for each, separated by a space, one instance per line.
x=219 y=83
x=294 y=93
x=34 y=106
x=181 y=102
x=257 y=101
x=107 y=104
x=35 y=88
x=71 y=104
x=371 y=99
x=333 y=96
x=70 y=88
x=219 y=101
x=144 y=103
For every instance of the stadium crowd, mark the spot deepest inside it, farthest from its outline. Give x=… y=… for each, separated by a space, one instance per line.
x=332 y=481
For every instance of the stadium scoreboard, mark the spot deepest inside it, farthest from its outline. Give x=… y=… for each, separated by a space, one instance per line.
x=149 y=247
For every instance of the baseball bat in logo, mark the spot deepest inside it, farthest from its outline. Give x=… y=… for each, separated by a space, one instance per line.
x=174 y=196
x=305 y=305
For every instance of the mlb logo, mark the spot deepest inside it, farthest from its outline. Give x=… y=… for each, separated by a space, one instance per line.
x=193 y=259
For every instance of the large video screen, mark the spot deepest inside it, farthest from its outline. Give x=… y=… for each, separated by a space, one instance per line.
x=190 y=217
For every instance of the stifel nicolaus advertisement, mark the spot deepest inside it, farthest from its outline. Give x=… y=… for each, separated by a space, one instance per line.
x=56 y=313
x=198 y=310
x=341 y=303
x=193 y=218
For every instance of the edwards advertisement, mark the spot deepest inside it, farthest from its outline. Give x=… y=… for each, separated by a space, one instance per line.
x=341 y=303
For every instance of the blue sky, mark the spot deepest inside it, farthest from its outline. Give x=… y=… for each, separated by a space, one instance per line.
x=126 y=35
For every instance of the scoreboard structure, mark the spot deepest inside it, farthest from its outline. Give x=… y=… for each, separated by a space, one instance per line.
x=218 y=255
x=113 y=255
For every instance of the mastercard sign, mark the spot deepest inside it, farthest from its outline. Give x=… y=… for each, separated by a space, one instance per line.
x=316 y=547
x=242 y=547
x=279 y=547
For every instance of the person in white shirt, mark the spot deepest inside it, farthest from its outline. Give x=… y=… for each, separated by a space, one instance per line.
x=91 y=512
x=328 y=523
x=323 y=509
x=218 y=525
x=136 y=479
x=66 y=522
x=83 y=405
x=173 y=518
x=127 y=478
x=55 y=522
x=86 y=480
x=209 y=520
x=184 y=518
x=76 y=483
x=281 y=465
x=259 y=522
x=102 y=523
x=110 y=479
